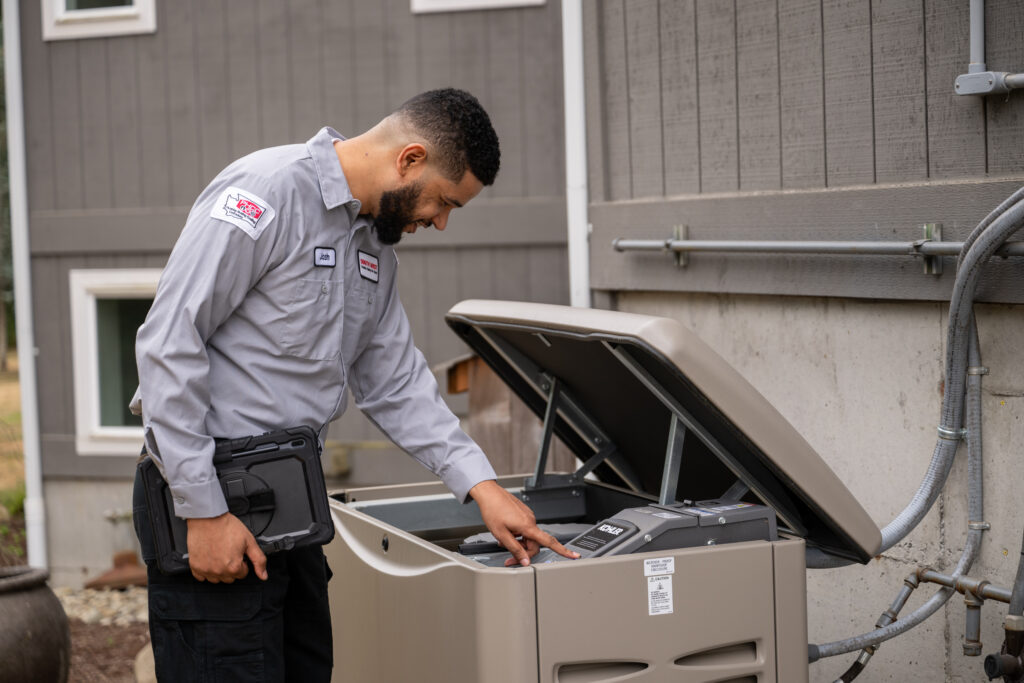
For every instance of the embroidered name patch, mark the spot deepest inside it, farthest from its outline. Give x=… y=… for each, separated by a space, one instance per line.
x=244 y=210
x=324 y=257
x=369 y=269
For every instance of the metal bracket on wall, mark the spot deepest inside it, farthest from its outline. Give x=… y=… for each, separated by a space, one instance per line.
x=681 y=232
x=932 y=233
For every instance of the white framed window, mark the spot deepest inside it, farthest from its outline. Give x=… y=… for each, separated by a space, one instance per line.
x=425 y=6
x=107 y=308
x=70 y=19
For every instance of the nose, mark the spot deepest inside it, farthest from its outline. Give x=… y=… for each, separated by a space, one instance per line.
x=441 y=220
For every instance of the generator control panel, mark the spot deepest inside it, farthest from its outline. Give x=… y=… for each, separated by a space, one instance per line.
x=663 y=527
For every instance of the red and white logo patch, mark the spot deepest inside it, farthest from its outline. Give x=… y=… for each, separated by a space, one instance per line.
x=369 y=267
x=244 y=210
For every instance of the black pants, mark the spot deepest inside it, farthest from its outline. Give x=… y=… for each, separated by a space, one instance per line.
x=249 y=630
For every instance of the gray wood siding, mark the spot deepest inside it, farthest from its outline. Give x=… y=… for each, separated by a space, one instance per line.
x=793 y=94
x=146 y=121
x=794 y=119
x=123 y=132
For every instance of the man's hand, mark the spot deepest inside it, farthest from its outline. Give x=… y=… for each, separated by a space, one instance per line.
x=218 y=546
x=507 y=517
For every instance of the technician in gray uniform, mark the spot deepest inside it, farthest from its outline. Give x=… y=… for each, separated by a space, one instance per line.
x=279 y=294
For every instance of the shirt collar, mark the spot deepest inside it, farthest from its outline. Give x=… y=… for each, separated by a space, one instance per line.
x=333 y=185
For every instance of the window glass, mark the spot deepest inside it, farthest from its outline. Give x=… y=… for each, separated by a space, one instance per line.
x=117 y=321
x=96 y=4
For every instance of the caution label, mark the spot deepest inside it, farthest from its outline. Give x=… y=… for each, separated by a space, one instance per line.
x=659 y=595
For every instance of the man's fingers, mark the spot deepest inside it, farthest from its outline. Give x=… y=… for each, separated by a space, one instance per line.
x=258 y=559
x=549 y=541
x=509 y=542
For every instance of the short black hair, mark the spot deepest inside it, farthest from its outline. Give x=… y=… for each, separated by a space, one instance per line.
x=455 y=124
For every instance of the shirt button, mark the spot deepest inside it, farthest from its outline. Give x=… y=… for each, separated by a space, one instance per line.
x=369 y=299
x=323 y=288
x=179 y=500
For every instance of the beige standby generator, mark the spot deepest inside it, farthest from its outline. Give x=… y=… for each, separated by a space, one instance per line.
x=691 y=511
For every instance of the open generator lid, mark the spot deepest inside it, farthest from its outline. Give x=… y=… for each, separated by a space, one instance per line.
x=647 y=405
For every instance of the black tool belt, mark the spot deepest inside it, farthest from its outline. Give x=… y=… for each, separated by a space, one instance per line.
x=272 y=482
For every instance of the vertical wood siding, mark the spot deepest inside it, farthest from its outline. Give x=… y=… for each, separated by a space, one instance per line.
x=146 y=121
x=688 y=97
x=142 y=123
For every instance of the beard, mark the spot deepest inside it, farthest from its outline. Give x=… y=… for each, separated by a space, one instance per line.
x=397 y=210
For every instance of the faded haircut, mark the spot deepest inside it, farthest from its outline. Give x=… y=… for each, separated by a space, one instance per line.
x=459 y=131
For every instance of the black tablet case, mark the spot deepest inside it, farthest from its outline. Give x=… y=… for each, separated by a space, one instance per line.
x=272 y=482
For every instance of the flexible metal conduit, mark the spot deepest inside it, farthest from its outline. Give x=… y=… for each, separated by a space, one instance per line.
x=945 y=448
x=990 y=234
x=919 y=248
x=975 y=515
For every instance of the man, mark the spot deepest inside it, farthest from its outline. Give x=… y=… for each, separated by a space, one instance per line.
x=279 y=295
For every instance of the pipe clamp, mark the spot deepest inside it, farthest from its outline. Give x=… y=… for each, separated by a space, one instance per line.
x=951 y=434
x=977 y=370
x=979 y=526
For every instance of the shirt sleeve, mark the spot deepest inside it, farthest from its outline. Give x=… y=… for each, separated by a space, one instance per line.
x=393 y=386
x=225 y=247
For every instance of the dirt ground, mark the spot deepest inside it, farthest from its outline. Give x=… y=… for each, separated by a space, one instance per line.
x=99 y=654
x=105 y=654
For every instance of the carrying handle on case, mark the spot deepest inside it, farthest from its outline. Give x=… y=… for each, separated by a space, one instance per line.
x=259 y=500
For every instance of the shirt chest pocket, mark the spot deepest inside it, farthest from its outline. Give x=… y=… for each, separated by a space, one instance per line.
x=314 y=320
x=362 y=313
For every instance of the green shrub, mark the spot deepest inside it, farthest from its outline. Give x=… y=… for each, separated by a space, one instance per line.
x=14 y=499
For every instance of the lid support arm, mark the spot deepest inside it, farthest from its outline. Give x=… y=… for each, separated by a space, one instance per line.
x=736 y=491
x=694 y=426
x=575 y=417
x=554 y=398
x=673 y=461
x=606 y=452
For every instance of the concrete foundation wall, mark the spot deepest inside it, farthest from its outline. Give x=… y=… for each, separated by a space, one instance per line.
x=862 y=381
x=87 y=522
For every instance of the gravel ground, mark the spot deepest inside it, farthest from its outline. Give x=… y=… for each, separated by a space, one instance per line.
x=105 y=607
x=108 y=628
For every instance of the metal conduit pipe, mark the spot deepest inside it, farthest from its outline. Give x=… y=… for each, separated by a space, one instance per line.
x=987 y=221
x=965 y=584
x=929 y=608
x=975 y=513
x=918 y=248
x=976 y=508
x=842 y=248
x=960 y=325
x=977 y=29
x=887 y=617
x=961 y=333
x=945 y=449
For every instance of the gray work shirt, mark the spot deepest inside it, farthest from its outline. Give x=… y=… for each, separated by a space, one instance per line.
x=276 y=298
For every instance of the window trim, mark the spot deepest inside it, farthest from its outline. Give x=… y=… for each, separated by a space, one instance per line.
x=88 y=285
x=60 y=23
x=429 y=6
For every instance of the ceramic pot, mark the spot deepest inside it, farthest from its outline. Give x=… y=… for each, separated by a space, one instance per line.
x=35 y=641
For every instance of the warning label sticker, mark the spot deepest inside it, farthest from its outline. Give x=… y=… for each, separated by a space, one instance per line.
x=659 y=595
x=660 y=565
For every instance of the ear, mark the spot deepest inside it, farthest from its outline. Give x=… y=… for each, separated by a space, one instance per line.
x=412 y=158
